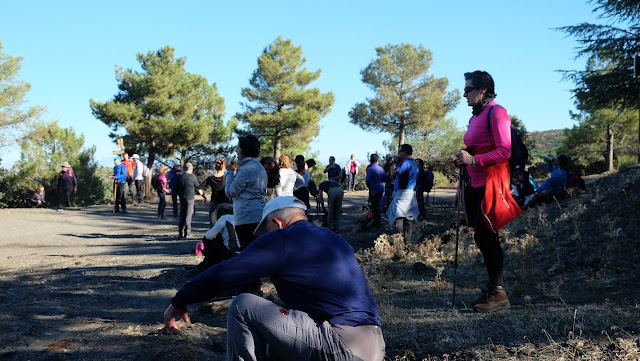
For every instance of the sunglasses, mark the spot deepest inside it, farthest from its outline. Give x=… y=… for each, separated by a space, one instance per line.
x=469 y=89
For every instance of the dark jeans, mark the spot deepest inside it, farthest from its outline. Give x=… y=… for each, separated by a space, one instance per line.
x=487 y=241
x=139 y=183
x=420 y=198
x=186 y=212
x=65 y=197
x=374 y=203
x=174 y=200
x=131 y=185
x=162 y=203
x=120 y=200
x=244 y=232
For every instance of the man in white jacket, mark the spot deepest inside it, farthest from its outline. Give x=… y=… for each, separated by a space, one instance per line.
x=138 y=177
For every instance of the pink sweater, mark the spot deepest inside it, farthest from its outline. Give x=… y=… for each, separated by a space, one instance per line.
x=478 y=135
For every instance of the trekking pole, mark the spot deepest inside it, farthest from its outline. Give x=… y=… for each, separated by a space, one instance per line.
x=455 y=259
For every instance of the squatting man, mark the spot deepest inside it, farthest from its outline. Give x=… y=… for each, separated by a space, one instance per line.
x=330 y=312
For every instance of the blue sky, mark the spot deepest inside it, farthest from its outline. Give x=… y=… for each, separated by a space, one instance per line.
x=71 y=48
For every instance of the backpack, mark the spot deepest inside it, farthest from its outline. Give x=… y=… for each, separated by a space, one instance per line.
x=519 y=151
x=427 y=181
x=145 y=170
x=155 y=181
x=575 y=184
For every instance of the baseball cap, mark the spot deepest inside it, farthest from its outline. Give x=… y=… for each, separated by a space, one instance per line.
x=135 y=156
x=117 y=157
x=65 y=164
x=276 y=204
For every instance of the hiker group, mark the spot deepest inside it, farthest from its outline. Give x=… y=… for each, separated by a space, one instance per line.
x=261 y=226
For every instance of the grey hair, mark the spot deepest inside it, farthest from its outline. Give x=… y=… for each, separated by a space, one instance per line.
x=286 y=214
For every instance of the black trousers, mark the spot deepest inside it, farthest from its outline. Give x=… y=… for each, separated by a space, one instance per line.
x=162 y=203
x=244 y=232
x=186 y=213
x=130 y=185
x=174 y=200
x=120 y=200
x=65 y=197
x=374 y=203
x=487 y=241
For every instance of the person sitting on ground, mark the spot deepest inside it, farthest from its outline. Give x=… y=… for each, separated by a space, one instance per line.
x=335 y=194
x=329 y=316
x=554 y=187
x=289 y=179
x=220 y=242
x=37 y=199
x=523 y=189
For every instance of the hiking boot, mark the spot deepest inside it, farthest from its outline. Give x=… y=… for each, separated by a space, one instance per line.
x=484 y=295
x=497 y=300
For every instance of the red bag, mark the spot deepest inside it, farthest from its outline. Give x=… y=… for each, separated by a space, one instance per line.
x=498 y=206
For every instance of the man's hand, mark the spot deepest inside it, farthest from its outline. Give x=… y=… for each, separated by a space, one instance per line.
x=170 y=318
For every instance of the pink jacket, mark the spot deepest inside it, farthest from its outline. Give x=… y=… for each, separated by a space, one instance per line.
x=478 y=135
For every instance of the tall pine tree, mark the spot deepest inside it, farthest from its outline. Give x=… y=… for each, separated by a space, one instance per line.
x=280 y=108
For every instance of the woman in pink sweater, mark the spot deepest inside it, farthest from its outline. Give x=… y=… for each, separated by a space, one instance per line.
x=487 y=198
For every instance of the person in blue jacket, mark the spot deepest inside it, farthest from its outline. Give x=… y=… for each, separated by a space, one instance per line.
x=556 y=185
x=120 y=179
x=174 y=176
x=329 y=314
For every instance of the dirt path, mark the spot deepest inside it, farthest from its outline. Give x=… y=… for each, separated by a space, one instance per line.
x=85 y=284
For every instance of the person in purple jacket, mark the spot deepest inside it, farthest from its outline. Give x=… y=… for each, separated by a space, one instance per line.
x=329 y=314
x=375 y=179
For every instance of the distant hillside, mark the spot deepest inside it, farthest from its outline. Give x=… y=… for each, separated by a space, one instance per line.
x=544 y=141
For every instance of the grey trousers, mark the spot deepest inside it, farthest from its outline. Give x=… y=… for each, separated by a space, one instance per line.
x=186 y=212
x=259 y=330
x=334 y=201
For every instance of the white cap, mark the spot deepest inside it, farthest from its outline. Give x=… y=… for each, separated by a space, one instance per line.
x=135 y=156
x=275 y=204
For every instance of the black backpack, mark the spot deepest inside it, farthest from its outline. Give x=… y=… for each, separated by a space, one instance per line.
x=519 y=151
x=155 y=181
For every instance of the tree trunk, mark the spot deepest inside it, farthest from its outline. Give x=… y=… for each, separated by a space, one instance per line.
x=401 y=134
x=277 y=146
x=147 y=180
x=610 y=148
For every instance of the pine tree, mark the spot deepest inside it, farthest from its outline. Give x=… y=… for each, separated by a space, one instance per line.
x=406 y=97
x=280 y=108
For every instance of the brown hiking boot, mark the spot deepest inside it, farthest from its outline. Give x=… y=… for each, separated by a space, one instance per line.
x=497 y=300
x=484 y=295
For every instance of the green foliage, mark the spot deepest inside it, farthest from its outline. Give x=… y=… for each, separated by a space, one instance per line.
x=608 y=81
x=42 y=151
x=14 y=116
x=280 y=110
x=163 y=109
x=406 y=97
x=586 y=144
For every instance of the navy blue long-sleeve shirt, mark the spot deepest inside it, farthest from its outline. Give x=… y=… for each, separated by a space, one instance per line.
x=313 y=269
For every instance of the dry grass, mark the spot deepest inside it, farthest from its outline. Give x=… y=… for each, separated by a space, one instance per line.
x=570 y=270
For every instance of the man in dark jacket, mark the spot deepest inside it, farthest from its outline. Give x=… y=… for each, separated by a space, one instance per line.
x=187 y=186
x=67 y=184
x=331 y=317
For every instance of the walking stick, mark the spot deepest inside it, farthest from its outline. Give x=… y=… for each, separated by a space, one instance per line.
x=455 y=259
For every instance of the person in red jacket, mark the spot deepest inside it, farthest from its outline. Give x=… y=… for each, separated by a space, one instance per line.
x=130 y=164
x=488 y=201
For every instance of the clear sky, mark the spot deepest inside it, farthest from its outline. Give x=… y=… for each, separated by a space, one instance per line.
x=71 y=48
